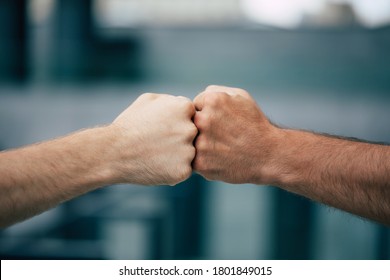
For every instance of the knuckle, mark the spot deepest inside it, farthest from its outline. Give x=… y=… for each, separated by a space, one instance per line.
x=185 y=104
x=185 y=173
x=183 y=99
x=183 y=168
x=212 y=87
x=147 y=95
x=202 y=121
x=201 y=143
x=196 y=162
x=215 y=99
x=199 y=163
x=192 y=131
x=239 y=92
x=198 y=120
x=212 y=99
x=193 y=152
x=206 y=124
x=189 y=106
x=190 y=154
x=244 y=93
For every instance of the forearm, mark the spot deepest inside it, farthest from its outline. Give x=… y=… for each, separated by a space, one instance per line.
x=38 y=177
x=149 y=143
x=353 y=176
x=238 y=144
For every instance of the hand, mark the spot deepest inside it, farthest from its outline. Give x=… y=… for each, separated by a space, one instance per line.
x=154 y=143
x=236 y=140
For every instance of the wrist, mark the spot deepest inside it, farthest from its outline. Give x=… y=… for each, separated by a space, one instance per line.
x=290 y=158
x=272 y=168
x=100 y=149
x=123 y=153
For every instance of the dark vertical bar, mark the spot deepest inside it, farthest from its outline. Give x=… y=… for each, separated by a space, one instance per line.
x=73 y=36
x=292 y=229
x=13 y=37
x=157 y=239
x=188 y=211
x=21 y=40
x=383 y=249
x=82 y=55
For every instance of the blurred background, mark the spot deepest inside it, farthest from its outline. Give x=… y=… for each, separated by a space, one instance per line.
x=318 y=65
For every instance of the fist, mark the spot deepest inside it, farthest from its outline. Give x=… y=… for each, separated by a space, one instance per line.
x=235 y=140
x=155 y=140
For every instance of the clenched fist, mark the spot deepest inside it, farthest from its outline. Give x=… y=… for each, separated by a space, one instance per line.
x=150 y=143
x=154 y=144
x=235 y=138
x=237 y=144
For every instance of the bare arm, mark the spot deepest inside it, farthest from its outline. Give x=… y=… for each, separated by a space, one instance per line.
x=345 y=174
x=150 y=143
x=40 y=176
x=238 y=144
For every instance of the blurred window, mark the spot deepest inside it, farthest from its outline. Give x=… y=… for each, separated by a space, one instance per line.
x=273 y=13
x=151 y=13
x=327 y=13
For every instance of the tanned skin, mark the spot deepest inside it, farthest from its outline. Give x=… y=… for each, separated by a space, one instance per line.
x=238 y=144
x=136 y=148
x=151 y=143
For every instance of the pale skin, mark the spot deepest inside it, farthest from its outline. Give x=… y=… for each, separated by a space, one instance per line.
x=137 y=148
x=238 y=144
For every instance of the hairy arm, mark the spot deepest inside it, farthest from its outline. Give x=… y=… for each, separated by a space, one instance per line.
x=37 y=177
x=237 y=144
x=150 y=143
x=350 y=175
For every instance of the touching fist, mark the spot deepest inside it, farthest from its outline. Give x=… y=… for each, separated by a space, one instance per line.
x=154 y=144
x=236 y=140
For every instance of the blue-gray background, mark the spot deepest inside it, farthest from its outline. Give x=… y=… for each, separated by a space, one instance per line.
x=67 y=74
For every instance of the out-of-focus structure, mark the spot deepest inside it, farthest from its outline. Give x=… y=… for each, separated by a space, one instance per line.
x=319 y=65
